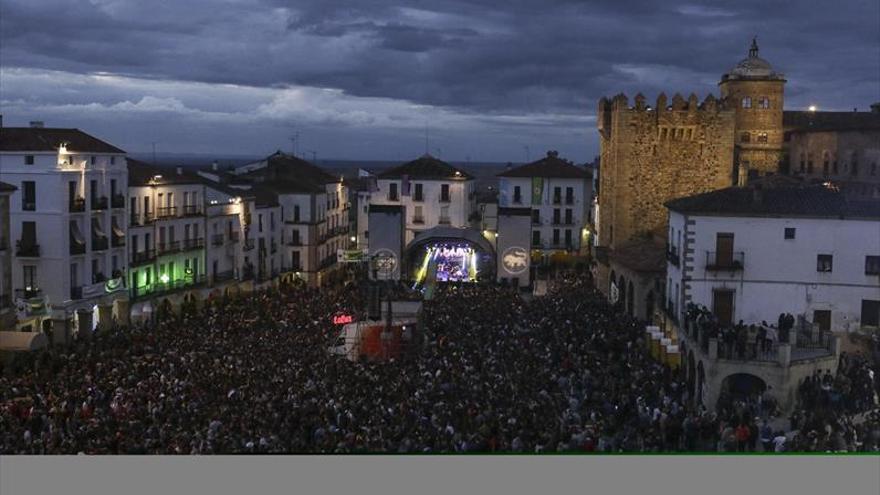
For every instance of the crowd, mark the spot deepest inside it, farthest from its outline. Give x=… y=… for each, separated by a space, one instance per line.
x=493 y=373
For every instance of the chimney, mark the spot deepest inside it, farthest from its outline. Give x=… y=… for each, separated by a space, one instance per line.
x=179 y=170
x=214 y=166
x=37 y=124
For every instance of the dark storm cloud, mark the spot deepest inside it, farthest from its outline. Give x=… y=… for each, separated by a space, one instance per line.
x=482 y=57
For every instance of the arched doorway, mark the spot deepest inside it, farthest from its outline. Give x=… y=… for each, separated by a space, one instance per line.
x=612 y=281
x=691 y=373
x=739 y=387
x=630 y=300
x=649 y=306
x=701 y=382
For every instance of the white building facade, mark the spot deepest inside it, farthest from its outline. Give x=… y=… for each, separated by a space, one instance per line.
x=560 y=197
x=751 y=254
x=67 y=228
x=432 y=192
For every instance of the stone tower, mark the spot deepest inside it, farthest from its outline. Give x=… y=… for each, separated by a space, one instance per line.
x=755 y=92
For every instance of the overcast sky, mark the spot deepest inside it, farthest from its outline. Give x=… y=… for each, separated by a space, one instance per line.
x=362 y=79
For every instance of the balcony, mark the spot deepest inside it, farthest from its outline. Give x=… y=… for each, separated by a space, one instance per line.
x=77 y=247
x=28 y=293
x=217 y=239
x=27 y=249
x=99 y=203
x=557 y=200
x=536 y=221
x=99 y=243
x=117 y=241
x=196 y=243
x=731 y=262
x=444 y=199
x=142 y=257
x=192 y=210
x=117 y=201
x=77 y=205
x=418 y=220
x=672 y=255
x=166 y=212
x=297 y=242
x=393 y=197
x=169 y=247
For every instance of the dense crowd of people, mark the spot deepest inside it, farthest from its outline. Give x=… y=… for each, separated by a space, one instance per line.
x=493 y=372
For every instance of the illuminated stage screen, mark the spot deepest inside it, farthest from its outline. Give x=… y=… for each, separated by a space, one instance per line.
x=448 y=263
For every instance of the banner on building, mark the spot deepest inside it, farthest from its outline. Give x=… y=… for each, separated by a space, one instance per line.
x=351 y=255
x=537 y=190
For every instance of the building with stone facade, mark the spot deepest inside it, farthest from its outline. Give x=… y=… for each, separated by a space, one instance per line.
x=653 y=154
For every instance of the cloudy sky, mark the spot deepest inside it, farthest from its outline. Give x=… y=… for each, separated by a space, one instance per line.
x=362 y=79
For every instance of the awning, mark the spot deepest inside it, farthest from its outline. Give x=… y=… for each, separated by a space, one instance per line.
x=76 y=234
x=96 y=228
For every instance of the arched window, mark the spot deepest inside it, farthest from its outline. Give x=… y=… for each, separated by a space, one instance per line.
x=745 y=137
x=747 y=102
x=762 y=137
x=764 y=102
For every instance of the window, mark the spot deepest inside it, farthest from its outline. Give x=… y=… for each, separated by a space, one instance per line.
x=745 y=137
x=747 y=102
x=28 y=159
x=536 y=217
x=517 y=194
x=764 y=103
x=418 y=196
x=418 y=216
x=112 y=160
x=568 y=216
x=569 y=195
x=30 y=276
x=824 y=263
x=555 y=236
x=873 y=169
x=556 y=214
x=259 y=222
x=444 y=193
x=568 y=237
x=557 y=195
x=762 y=137
x=296 y=213
x=392 y=191
x=28 y=195
x=872 y=265
x=870 y=313
x=536 y=238
x=789 y=232
x=93 y=159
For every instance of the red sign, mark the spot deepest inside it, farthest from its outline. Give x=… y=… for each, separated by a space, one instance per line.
x=342 y=319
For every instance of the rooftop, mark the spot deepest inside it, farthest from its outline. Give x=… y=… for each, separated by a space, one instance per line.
x=551 y=166
x=807 y=121
x=816 y=201
x=7 y=188
x=752 y=67
x=290 y=174
x=426 y=167
x=40 y=139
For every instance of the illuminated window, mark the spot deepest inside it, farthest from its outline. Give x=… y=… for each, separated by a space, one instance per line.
x=747 y=102
x=764 y=102
x=762 y=137
x=745 y=137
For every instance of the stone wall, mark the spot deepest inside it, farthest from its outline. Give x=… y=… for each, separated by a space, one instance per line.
x=754 y=122
x=651 y=155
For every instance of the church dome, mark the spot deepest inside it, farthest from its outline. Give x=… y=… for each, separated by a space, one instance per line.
x=753 y=66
